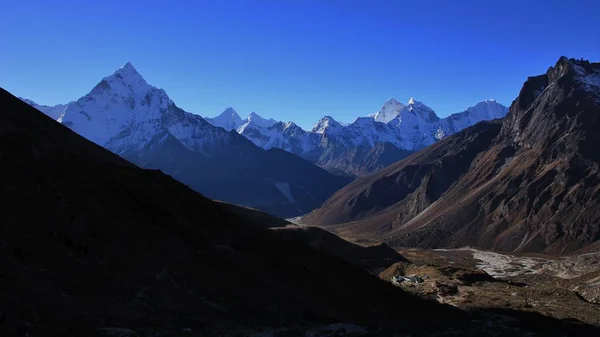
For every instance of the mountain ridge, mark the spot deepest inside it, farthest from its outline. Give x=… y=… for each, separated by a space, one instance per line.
x=407 y=127
x=528 y=182
x=138 y=121
x=331 y=145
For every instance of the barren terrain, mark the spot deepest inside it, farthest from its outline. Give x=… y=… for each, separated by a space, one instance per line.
x=565 y=288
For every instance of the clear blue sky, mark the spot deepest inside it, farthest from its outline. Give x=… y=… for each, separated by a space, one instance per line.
x=291 y=59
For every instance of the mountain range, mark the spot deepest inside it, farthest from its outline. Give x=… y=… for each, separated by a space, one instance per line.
x=94 y=246
x=253 y=161
x=129 y=117
x=366 y=145
x=528 y=182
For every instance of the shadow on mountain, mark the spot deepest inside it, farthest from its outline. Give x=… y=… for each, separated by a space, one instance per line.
x=539 y=324
x=93 y=245
x=527 y=183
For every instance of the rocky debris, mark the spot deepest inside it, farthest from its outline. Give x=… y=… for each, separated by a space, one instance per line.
x=415 y=279
x=504 y=265
x=469 y=277
x=118 y=332
x=444 y=289
x=591 y=293
x=588 y=287
x=455 y=280
x=336 y=330
x=573 y=266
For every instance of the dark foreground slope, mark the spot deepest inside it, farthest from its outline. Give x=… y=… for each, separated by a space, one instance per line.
x=92 y=245
x=89 y=241
x=530 y=182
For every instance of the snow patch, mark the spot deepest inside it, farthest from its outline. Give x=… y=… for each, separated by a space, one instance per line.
x=284 y=188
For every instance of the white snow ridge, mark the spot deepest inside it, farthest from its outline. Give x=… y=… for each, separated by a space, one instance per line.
x=124 y=113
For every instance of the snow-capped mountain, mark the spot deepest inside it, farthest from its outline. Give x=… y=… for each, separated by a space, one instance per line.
x=390 y=110
x=52 y=111
x=141 y=123
x=231 y=120
x=482 y=111
x=228 y=120
x=394 y=131
x=326 y=123
x=132 y=118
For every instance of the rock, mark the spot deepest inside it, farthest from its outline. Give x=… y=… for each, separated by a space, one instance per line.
x=526 y=183
x=446 y=289
x=335 y=330
x=119 y=332
x=590 y=293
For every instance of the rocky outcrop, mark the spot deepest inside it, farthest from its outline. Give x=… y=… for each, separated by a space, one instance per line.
x=528 y=183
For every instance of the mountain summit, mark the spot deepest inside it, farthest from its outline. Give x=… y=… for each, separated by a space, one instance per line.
x=325 y=123
x=369 y=143
x=527 y=183
x=389 y=110
x=126 y=115
x=228 y=120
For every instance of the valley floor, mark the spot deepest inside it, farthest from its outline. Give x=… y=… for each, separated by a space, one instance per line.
x=564 y=288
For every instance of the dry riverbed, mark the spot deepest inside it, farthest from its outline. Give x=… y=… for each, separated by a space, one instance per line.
x=564 y=288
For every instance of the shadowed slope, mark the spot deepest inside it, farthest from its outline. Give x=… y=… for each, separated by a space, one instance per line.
x=89 y=241
x=528 y=183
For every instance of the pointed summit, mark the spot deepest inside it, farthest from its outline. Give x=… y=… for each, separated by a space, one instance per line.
x=230 y=111
x=128 y=66
x=228 y=119
x=324 y=124
x=125 y=81
x=389 y=110
x=128 y=71
x=255 y=119
x=485 y=110
x=422 y=110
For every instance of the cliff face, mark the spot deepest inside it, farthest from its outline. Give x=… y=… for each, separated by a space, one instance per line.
x=529 y=183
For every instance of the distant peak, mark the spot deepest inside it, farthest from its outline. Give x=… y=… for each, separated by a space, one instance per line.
x=253 y=116
x=128 y=66
x=327 y=119
x=256 y=119
x=324 y=123
x=28 y=101
x=389 y=110
x=412 y=101
x=392 y=103
x=290 y=124
x=490 y=107
x=422 y=110
x=127 y=69
x=129 y=75
x=229 y=112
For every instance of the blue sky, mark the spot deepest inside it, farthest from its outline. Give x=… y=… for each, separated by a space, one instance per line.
x=291 y=59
